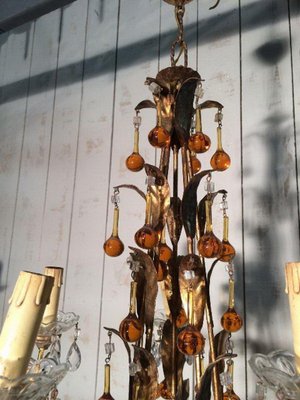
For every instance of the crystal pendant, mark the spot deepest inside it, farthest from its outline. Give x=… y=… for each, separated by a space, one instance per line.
x=231 y=321
x=74 y=357
x=55 y=350
x=190 y=341
x=131 y=328
x=220 y=160
x=113 y=246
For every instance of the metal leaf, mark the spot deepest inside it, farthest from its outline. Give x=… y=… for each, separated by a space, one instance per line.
x=145 y=104
x=201 y=209
x=166 y=356
x=124 y=341
x=160 y=196
x=133 y=187
x=193 y=263
x=189 y=204
x=220 y=346
x=149 y=286
x=184 y=108
x=145 y=381
x=174 y=221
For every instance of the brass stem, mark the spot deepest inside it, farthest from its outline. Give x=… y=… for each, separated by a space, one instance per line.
x=208 y=215
x=107 y=379
x=163 y=235
x=185 y=173
x=190 y=306
x=148 y=209
x=189 y=164
x=190 y=247
x=115 y=231
x=198 y=120
x=136 y=141
x=41 y=353
x=133 y=287
x=219 y=137
x=158 y=108
x=225 y=228
x=231 y=294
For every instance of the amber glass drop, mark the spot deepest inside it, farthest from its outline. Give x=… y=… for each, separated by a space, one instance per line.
x=106 y=395
x=135 y=162
x=161 y=270
x=146 y=237
x=230 y=395
x=199 y=142
x=165 y=253
x=220 y=161
x=190 y=341
x=209 y=246
x=131 y=328
x=159 y=137
x=113 y=246
x=227 y=252
x=196 y=164
x=181 y=319
x=164 y=392
x=231 y=321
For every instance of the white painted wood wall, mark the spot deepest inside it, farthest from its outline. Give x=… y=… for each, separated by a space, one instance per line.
x=68 y=85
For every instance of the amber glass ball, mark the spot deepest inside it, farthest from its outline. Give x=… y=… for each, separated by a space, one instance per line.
x=135 y=162
x=165 y=253
x=230 y=395
x=161 y=271
x=131 y=328
x=146 y=237
x=231 y=321
x=190 y=341
x=159 y=137
x=209 y=246
x=199 y=142
x=227 y=252
x=106 y=396
x=113 y=246
x=220 y=161
x=196 y=164
x=164 y=392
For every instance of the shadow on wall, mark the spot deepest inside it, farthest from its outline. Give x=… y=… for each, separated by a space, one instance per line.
x=211 y=29
x=2 y=287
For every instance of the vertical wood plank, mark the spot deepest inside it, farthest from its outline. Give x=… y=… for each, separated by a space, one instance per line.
x=136 y=59
x=270 y=194
x=16 y=66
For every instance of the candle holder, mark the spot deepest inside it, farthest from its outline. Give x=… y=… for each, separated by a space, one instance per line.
x=46 y=371
x=276 y=371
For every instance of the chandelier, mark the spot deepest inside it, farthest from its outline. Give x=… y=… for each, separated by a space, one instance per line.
x=174 y=337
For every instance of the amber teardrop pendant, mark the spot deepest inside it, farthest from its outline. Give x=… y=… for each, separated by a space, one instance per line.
x=113 y=246
x=146 y=237
x=106 y=394
x=220 y=160
x=230 y=395
x=190 y=341
x=131 y=328
x=135 y=161
x=228 y=251
x=159 y=136
x=199 y=142
x=165 y=253
x=231 y=321
x=196 y=164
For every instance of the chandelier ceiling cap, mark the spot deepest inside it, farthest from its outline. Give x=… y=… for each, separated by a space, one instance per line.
x=178 y=2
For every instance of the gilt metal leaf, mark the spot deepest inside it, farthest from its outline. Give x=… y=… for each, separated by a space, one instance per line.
x=174 y=220
x=145 y=380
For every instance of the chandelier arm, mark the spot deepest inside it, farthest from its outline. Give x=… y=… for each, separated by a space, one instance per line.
x=215 y=6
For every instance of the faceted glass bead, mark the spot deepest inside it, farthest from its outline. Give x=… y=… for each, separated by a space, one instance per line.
x=209 y=246
x=196 y=164
x=220 y=161
x=190 y=341
x=227 y=252
x=199 y=142
x=135 y=162
x=113 y=247
x=106 y=396
x=159 y=137
x=231 y=321
x=181 y=319
x=146 y=237
x=230 y=395
x=165 y=253
x=131 y=328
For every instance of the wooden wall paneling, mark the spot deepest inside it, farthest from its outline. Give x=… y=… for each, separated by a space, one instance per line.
x=294 y=8
x=83 y=288
x=219 y=66
x=137 y=58
x=35 y=152
x=15 y=67
x=270 y=193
